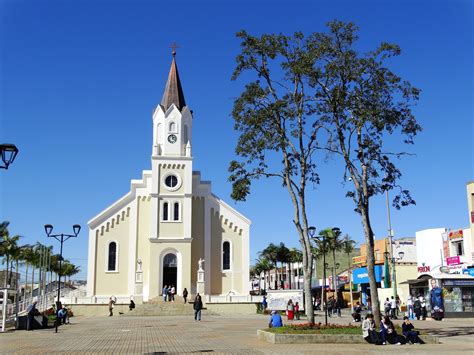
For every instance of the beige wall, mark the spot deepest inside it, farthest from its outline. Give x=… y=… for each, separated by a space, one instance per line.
x=113 y=283
x=198 y=236
x=223 y=282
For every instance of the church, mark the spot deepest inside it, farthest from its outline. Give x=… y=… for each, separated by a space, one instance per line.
x=169 y=229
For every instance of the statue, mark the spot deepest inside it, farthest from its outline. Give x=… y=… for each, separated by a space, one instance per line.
x=436 y=301
x=200 y=262
x=139 y=265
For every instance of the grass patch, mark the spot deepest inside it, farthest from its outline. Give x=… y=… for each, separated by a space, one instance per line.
x=317 y=328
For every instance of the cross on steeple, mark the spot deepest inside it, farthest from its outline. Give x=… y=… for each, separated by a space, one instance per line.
x=173 y=47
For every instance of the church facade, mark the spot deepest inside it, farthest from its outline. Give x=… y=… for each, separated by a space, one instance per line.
x=160 y=232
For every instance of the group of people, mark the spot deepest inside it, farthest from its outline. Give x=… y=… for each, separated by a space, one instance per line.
x=292 y=310
x=61 y=311
x=387 y=333
x=334 y=305
x=416 y=307
x=168 y=293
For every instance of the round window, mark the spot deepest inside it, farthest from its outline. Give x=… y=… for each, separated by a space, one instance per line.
x=171 y=181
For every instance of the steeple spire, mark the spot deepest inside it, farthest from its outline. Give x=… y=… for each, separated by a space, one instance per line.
x=173 y=91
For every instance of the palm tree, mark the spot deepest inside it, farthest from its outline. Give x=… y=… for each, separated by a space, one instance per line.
x=271 y=254
x=264 y=265
x=283 y=256
x=8 y=248
x=335 y=243
x=27 y=256
x=296 y=256
x=348 y=247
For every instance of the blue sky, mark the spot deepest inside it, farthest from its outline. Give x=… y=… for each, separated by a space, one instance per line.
x=79 y=81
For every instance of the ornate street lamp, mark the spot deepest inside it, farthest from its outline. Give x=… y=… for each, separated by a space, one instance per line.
x=8 y=153
x=48 y=228
x=311 y=232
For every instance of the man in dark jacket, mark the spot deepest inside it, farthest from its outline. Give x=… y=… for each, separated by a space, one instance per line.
x=32 y=311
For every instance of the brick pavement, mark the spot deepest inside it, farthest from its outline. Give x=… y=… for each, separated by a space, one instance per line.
x=215 y=334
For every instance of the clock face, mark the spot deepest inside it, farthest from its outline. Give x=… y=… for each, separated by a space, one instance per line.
x=172 y=138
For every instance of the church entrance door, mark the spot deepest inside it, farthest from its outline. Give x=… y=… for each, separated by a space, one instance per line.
x=170 y=270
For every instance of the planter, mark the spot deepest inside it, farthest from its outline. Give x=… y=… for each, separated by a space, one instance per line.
x=324 y=338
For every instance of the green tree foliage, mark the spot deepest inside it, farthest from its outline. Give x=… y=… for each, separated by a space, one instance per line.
x=317 y=92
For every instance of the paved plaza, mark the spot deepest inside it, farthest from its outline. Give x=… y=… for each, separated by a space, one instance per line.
x=214 y=334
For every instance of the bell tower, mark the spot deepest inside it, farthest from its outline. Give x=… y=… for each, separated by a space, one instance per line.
x=172 y=162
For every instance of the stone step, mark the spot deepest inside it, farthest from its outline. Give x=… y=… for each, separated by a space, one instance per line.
x=162 y=309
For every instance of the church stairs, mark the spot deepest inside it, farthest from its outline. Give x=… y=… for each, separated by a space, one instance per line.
x=158 y=307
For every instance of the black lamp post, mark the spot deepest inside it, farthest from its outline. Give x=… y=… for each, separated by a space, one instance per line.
x=311 y=232
x=8 y=152
x=61 y=238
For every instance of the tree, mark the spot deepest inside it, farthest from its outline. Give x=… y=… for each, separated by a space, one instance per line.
x=296 y=256
x=8 y=249
x=334 y=243
x=361 y=103
x=277 y=128
x=264 y=265
x=283 y=256
x=348 y=246
x=271 y=254
x=28 y=255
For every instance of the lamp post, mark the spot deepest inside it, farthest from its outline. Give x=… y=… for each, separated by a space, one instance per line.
x=333 y=272
x=311 y=232
x=8 y=153
x=61 y=238
x=393 y=261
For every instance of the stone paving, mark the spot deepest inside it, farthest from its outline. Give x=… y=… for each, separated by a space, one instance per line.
x=214 y=334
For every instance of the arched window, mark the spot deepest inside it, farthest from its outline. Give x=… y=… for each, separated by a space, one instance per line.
x=172 y=127
x=112 y=259
x=176 y=211
x=185 y=133
x=165 y=211
x=226 y=256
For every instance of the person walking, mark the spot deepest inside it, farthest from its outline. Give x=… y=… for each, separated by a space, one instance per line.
x=264 y=303
x=297 y=310
x=393 y=308
x=423 y=307
x=165 y=293
x=185 y=294
x=197 y=307
x=31 y=312
x=386 y=306
x=338 y=306
x=111 y=306
x=410 y=307
x=330 y=305
x=290 y=310
x=417 y=308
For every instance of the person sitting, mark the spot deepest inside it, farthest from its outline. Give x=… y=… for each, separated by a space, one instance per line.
x=275 y=320
x=408 y=332
x=387 y=332
x=357 y=313
x=368 y=330
x=62 y=315
x=131 y=306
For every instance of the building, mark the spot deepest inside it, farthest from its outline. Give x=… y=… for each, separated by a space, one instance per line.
x=170 y=224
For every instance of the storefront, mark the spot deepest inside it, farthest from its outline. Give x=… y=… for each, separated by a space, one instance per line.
x=458 y=293
x=360 y=277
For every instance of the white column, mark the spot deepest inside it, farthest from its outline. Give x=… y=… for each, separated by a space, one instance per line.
x=91 y=265
x=132 y=244
x=207 y=244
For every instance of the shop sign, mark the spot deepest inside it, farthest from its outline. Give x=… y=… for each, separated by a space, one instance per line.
x=423 y=269
x=455 y=269
x=361 y=276
x=453 y=260
x=455 y=235
x=361 y=259
x=458 y=282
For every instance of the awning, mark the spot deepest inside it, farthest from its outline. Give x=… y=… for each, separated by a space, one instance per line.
x=413 y=282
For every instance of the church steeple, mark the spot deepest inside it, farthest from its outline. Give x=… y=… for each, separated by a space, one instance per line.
x=173 y=91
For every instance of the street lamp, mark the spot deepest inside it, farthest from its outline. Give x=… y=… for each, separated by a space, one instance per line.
x=311 y=232
x=48 y=228
x=393 y=261
x=8 y=152
x=333 y=273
